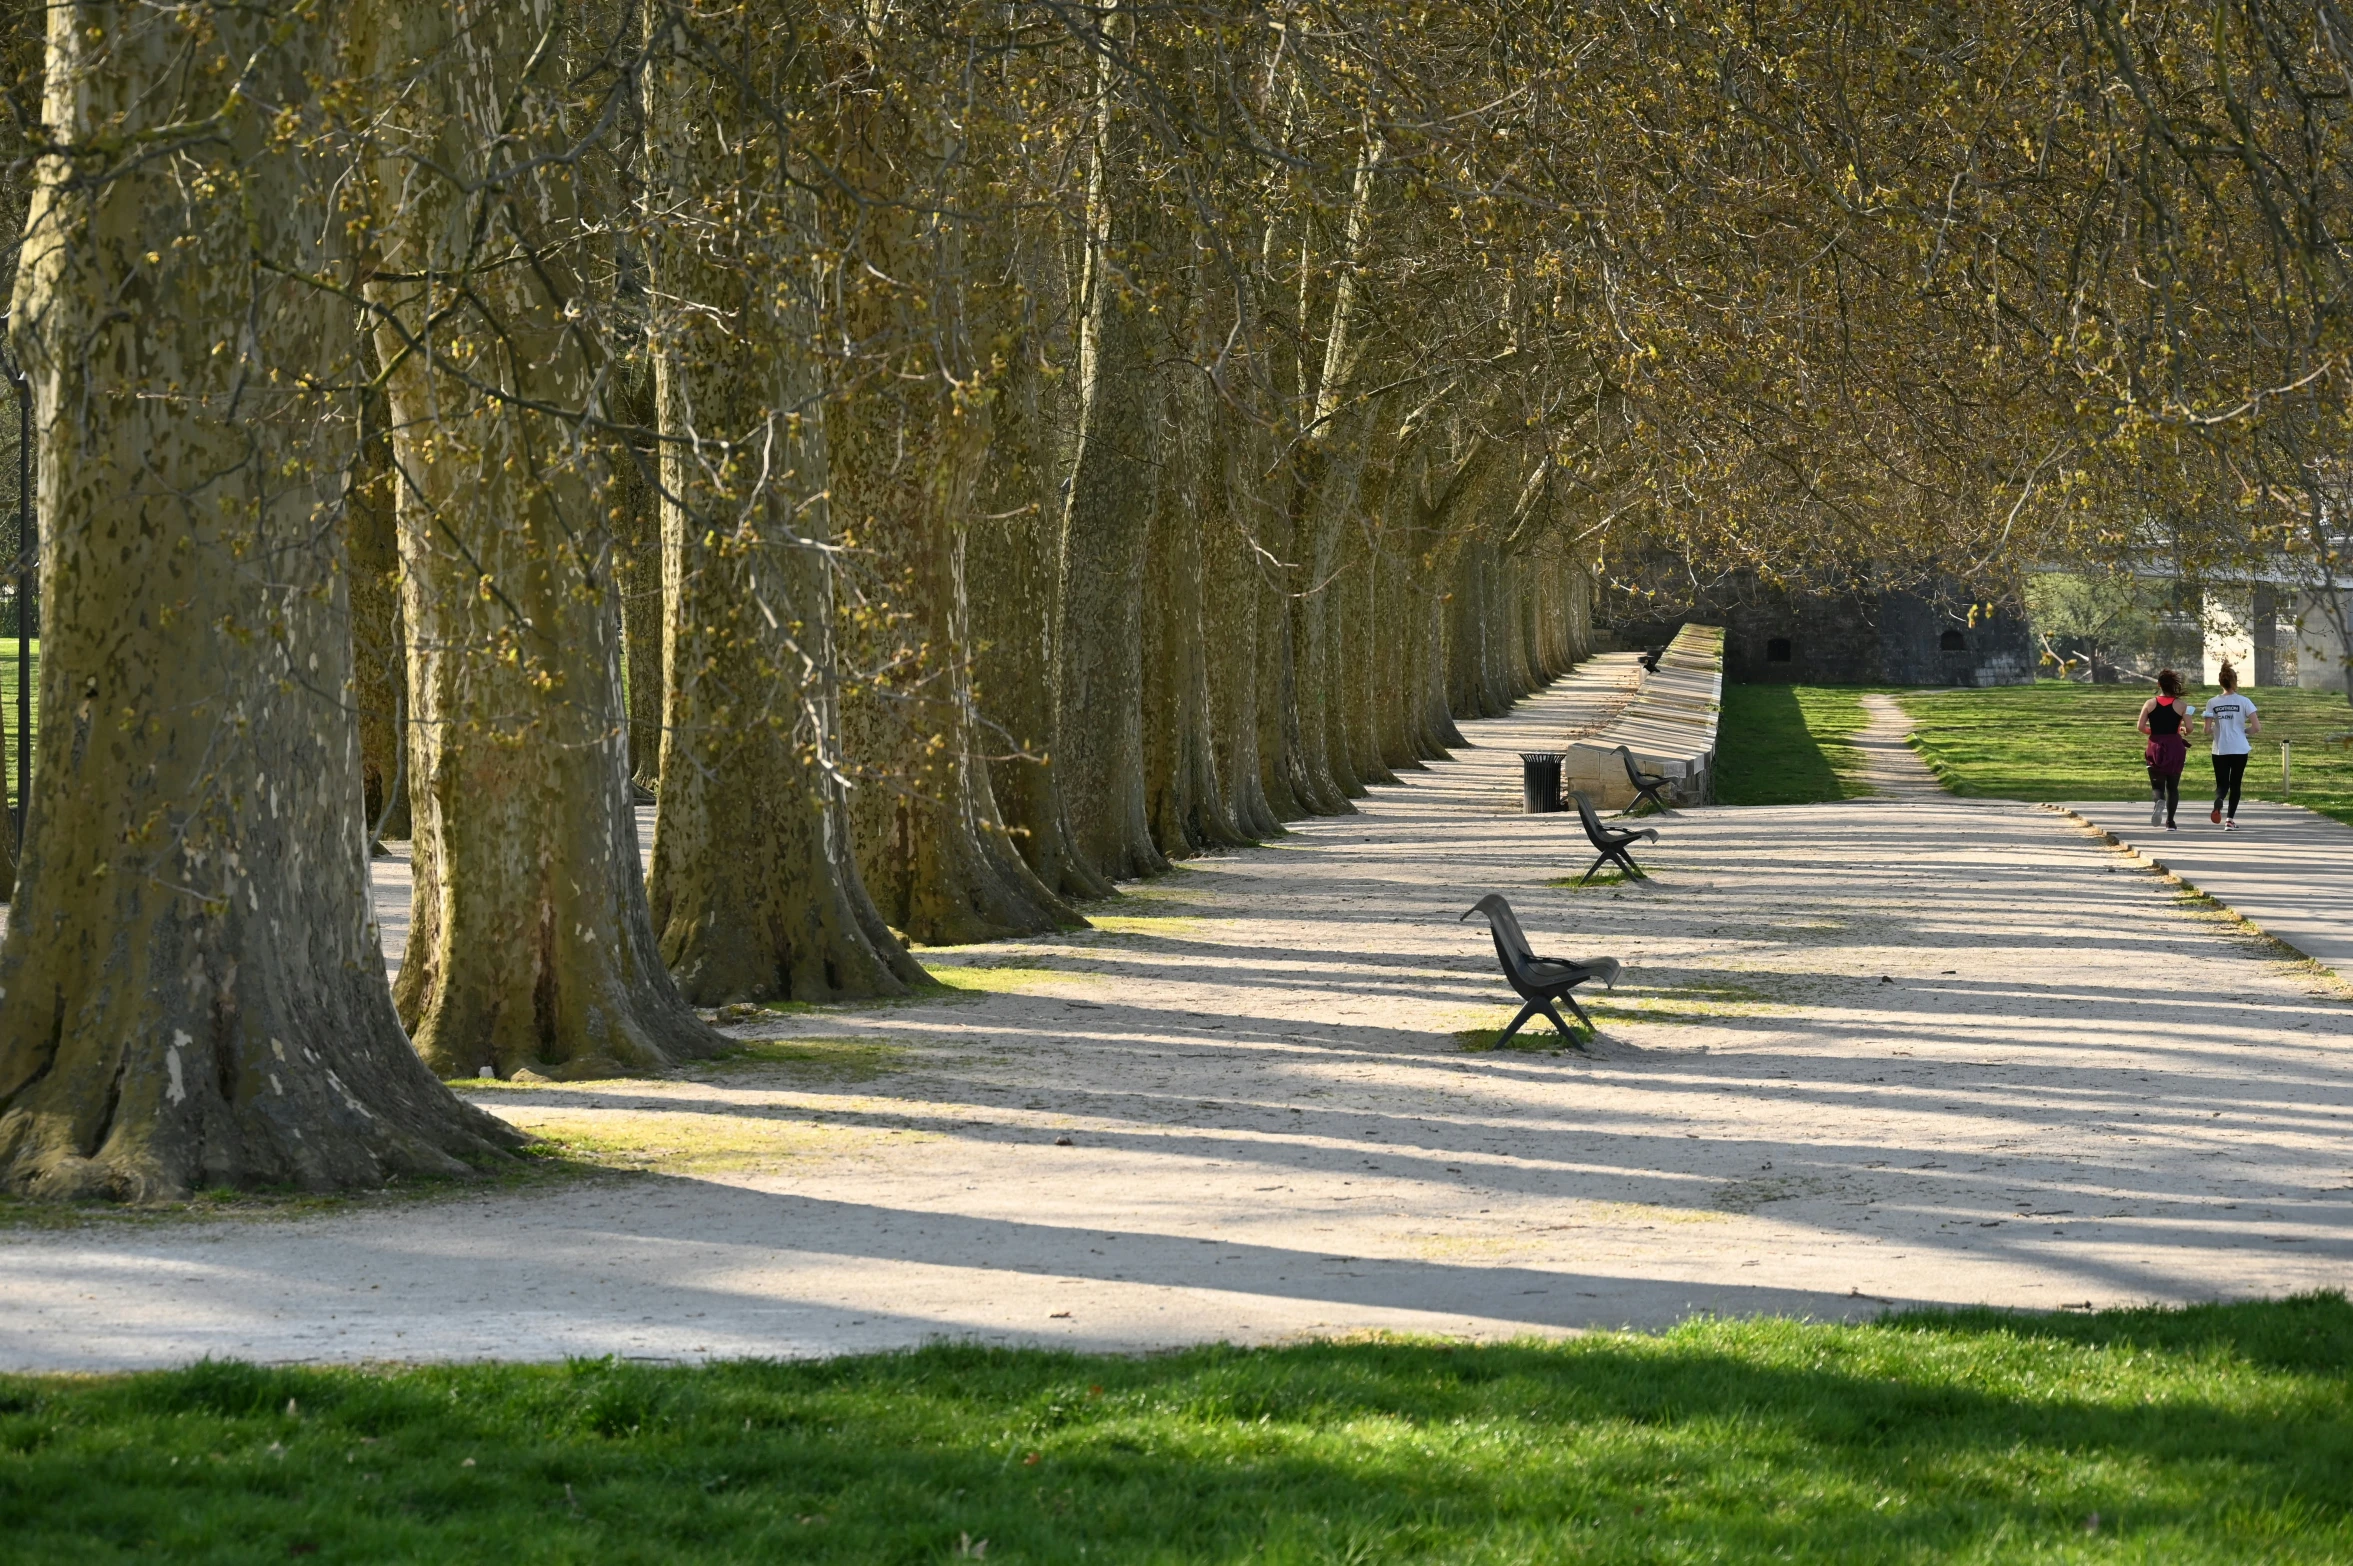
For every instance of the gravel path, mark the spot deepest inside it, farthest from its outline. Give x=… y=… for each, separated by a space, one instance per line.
x=1911 y=1050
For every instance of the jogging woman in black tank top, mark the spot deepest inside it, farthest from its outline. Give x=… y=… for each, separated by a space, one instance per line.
x=2164 y=720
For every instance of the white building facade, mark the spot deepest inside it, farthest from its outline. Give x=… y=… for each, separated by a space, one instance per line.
x=2278 y=634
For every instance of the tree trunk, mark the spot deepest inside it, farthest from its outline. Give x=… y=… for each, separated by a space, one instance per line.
x=1012 y=561
x=531 y=944
x=1367 y=646
x=643 y=605
x=911 y=453
x=7 y=818
x=755 y=881
x=1114 y=473
x=1182 y=798
x=1332 y=453
x=1233 y=600
x=1013 y=565
x=1335 y=469
x=1392 y=606
x=194 y=989
x=1282 y=771
x=379 y=646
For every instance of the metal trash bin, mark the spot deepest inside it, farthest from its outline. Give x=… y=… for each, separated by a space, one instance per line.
x=1540 y=781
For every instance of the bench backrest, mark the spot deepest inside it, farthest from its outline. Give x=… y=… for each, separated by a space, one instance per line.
x=1511 y=942
x=1633 y=772
x=1593 y=830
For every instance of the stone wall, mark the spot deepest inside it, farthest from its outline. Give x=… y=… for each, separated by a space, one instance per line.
x=1669 y=726
x=1851 y=637
x=1922 y=642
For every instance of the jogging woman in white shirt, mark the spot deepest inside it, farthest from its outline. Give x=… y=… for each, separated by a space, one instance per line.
x=2230 y=719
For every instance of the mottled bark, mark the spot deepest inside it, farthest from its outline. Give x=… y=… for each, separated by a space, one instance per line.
x=755 y=883
x=1013 y=547
x=192 y=992
x=1392 y=693
x=1334 y=469
x=1114 y=475
x=7 y=817
x=1335 y=448
x=1365 y=644
x=933 y=850
x=1012 y=565
x=937 y=857
x=636 y=499
x=1186 y=807
x=910 y=451
x=1282 y=774
x=1232 y=602
x=531 y=944
x=379 y=648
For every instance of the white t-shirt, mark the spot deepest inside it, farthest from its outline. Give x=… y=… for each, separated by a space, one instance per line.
x=2229 y=713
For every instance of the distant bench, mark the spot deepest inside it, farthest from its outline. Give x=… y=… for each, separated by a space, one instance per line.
x=1669 y=726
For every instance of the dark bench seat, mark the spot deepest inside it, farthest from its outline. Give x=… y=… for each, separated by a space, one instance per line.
x=1610 y=843
x=1646 y=784
x=1540 y=981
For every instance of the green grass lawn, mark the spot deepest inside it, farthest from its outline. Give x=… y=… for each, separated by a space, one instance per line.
x=2057 y=740
x=8 y=708
x=2213 y=1434
x=1788 y=744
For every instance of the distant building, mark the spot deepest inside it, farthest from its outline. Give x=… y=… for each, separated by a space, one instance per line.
x=1855 y=636
x=2278 y=633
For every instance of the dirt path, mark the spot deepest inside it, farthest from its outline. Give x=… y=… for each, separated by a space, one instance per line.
x=1915 y=1049
x=1891 y=766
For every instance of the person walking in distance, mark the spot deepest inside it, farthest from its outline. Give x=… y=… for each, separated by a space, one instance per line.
x=2230 y=720
x=2164 y=719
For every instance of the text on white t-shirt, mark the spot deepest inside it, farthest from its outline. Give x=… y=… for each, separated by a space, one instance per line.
x=2229 y=713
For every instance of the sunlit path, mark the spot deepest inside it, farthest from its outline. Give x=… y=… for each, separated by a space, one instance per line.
x=1908 y=1049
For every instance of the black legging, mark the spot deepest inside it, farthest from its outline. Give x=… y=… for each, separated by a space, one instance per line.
x=2169 y=785
x=2229 y=773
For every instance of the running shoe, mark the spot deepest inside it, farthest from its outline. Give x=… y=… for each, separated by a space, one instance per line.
x=2215 y=815
x=2230 y=826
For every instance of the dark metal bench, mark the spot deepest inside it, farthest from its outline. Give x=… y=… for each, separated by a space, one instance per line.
x=1610 y=842
x=1540 y=980
x=1646 y=785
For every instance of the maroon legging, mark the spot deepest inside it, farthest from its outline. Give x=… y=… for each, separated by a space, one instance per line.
x=2166 y=754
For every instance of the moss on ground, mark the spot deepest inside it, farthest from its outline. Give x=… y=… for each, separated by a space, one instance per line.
x=994 y=978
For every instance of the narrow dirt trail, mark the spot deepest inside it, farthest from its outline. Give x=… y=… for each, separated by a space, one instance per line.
x=1903 y=1050
x=1891 y=766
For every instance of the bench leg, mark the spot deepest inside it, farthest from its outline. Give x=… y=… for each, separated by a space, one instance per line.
x=1526 y=1012
x=1648 y=792
x=1633 y=870
x=1581 y=1017
x=1566 y=1031
x=1600 y=859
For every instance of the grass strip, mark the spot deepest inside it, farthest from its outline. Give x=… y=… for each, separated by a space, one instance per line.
x=2218 y=1433
x=2056 y=740
x=1789 y=744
